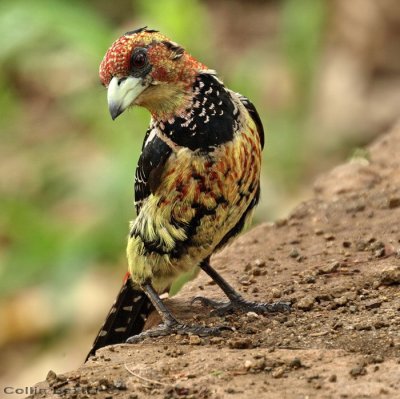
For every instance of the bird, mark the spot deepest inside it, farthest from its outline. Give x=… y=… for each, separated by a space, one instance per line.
x=197 y=180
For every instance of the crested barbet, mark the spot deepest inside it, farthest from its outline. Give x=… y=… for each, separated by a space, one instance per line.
x=197 y=180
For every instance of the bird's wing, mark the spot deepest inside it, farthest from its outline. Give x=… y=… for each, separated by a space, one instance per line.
x=150 y=166
x=255 y=116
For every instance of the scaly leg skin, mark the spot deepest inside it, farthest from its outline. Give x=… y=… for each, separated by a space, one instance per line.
x=170 y=324
x=236 y=301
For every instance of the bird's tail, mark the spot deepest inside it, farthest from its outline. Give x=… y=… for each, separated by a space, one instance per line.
x=126 y=317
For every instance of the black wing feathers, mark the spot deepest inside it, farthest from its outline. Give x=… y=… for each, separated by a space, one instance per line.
x=239 y=226
x=149 y=169
x=256 y=117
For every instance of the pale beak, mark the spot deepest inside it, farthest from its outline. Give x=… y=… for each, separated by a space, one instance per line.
x=122 y=92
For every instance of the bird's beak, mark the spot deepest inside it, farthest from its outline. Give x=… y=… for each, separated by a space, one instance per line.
x=122 y=92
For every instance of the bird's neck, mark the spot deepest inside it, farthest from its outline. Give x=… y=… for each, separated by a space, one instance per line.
x=165 y=101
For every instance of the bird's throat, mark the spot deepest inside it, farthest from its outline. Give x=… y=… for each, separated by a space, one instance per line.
x=165 y=101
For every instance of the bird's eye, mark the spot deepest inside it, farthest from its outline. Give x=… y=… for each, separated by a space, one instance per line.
x=139 y=59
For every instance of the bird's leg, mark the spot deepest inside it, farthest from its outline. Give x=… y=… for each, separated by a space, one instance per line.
x=170 y=324
x=236 y=301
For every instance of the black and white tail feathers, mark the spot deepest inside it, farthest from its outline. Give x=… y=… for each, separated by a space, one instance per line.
x=125 y=318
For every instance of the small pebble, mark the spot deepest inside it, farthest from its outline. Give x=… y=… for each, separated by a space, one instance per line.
x=373 y=304
x=358 y=371
x=259 y=263
x=306 y=303
x=294 y=253
x=240 y=343
x=296 y=363
x=379 y=253
x=332 y=267
x=366 y=326
x=329 y=237
x=252 y=315
x=216 y=340
x=361 y=245
x=341 y=301
x=390 y=276
x=309 y=279
x=120 y=385
x=194 y=340
x=276 y=293
x=248 y=364
x=394 y=202
x=278 y=372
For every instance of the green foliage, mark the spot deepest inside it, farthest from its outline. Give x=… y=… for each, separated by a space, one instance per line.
x=44 y=25
x=301 y=38
x=184 y=21
x=39 y=243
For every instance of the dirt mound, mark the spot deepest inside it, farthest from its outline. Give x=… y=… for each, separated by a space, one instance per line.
x=336 y=258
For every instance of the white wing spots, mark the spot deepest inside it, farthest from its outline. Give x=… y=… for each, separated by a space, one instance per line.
x=140 y=178
x=186 y=123
x=235 y=108
x=212 y=109
x=207 y=119
x=151 y=136
x=203 y=112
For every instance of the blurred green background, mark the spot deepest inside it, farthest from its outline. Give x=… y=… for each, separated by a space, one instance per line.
x=324 y=76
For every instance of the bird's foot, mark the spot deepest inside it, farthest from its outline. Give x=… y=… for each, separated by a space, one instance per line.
x=177 y=328
x=239 y=304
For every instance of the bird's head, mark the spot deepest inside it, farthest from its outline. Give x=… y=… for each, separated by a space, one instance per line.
x=143 y=67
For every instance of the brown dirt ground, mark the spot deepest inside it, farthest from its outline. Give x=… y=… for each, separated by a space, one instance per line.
x=336 y=258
